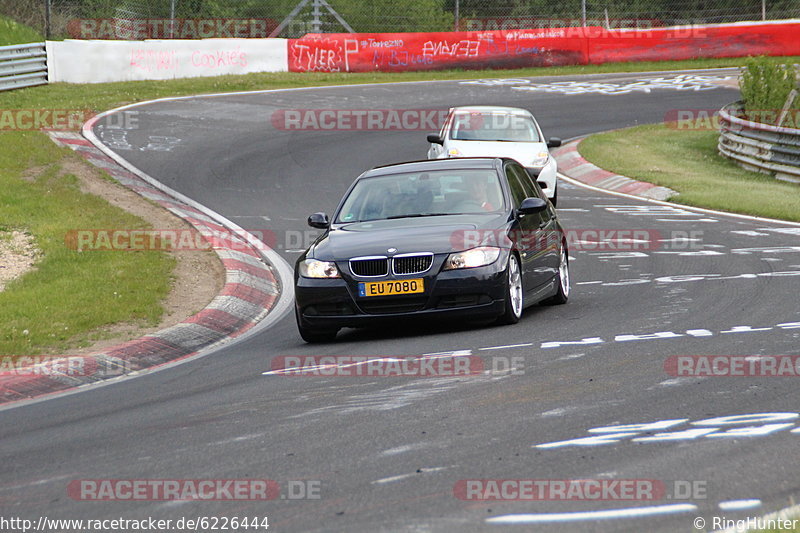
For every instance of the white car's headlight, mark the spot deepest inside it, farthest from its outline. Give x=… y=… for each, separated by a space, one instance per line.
x=475 y=257
x=311 y=268
x=541 y=159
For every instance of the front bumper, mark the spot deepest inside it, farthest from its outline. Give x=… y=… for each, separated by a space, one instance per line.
x=455 y=294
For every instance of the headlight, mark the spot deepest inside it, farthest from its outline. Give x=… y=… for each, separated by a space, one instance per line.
x=311 y=268
x=541 y=159
x=454 y=152
x=476 y=257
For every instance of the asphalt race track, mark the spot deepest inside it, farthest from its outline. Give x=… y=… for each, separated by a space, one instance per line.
x=388 y=452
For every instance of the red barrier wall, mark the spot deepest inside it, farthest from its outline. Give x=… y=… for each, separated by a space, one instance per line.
x=392 y=52
x=668 y=44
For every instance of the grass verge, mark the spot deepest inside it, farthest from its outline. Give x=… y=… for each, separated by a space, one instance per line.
x=70 y=295
x=687 y=161
x=12 y=32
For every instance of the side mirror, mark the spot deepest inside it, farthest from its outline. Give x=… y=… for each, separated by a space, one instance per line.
x=553 y=142
x=433 y=138
x=530 y=206
x=319 y=221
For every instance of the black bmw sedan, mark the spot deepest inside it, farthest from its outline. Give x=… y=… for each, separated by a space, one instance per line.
x=467 y=238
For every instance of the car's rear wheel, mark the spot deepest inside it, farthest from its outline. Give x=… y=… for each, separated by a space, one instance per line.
x=562 y=280
x=312 y=335
x=514 y=292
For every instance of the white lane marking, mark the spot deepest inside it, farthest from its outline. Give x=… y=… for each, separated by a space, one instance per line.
x=787 y=231
x=750 y=233
x=406 y=476
x=571 y=356
x=507 y=346
x=739 y=505
x=588 y=282
x=651 y=201
x=687 y=220
x=767 y=249
x=403 y=449
x=630 y=512
x=573 y=210
x=696 y=253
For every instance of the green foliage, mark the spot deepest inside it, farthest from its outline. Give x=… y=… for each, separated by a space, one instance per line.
x=12 y=32
x=765 y=84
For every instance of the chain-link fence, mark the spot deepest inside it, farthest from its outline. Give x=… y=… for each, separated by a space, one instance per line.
x=294 y=18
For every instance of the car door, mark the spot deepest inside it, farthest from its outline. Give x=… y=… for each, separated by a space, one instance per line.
x=549 y=230
x=529 y=231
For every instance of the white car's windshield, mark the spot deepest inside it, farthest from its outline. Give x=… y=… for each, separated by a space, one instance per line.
x=479 y=126
x=421 y=194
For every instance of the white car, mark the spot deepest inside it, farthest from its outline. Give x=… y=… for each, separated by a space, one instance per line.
x=478 y=131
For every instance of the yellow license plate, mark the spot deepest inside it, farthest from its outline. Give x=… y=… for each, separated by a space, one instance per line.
x=390 y=288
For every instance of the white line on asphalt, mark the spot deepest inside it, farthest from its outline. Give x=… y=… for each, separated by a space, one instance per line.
x=630 y=512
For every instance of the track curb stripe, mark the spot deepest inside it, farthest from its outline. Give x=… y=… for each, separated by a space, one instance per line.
x=573 y=165
x=249 y=293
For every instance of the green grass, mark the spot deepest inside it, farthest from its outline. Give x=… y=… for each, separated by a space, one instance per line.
x=64 y=302
x=687 y=162
x=69 y=294
x=12 y=32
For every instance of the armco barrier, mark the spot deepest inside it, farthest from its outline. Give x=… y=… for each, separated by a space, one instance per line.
x=22 y=65
x=760 y=147
x=346 y=52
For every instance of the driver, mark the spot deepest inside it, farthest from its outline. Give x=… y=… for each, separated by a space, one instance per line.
x=478 y=190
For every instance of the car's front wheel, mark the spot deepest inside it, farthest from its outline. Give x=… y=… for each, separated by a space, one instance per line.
x=514 y=291
x=312 y=335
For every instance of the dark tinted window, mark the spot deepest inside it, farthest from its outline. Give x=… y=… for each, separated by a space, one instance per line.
x=516 y=182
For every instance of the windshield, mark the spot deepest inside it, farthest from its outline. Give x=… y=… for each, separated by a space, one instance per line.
x=422 y=194
x=478 y=126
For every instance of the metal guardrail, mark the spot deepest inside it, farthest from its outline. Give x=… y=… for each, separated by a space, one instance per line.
x=760 y=147
x=22 y=65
